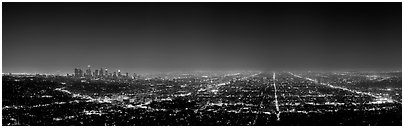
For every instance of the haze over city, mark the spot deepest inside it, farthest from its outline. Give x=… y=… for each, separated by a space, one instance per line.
x=161 y=37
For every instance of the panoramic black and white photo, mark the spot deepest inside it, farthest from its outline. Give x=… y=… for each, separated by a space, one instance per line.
x=201 y=64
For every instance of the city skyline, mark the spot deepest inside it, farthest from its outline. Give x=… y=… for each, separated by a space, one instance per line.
x=202 y=64
x=164 y=37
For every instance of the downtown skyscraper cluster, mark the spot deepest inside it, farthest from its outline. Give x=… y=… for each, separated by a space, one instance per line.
x=99 y=73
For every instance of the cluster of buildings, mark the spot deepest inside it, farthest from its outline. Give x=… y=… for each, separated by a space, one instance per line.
x=99 y=73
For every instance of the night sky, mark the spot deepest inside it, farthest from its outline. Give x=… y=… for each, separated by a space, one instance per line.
x=146 y=37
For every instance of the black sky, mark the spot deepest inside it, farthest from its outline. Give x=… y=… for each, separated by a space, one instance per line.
x=57 y=37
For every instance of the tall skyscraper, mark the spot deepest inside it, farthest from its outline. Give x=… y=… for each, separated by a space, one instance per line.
x=80 y=72
x=88 y=71
x=96 y=73
x=106 y=72
x=76 y=72
x=119 y=73
x=101 y=73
